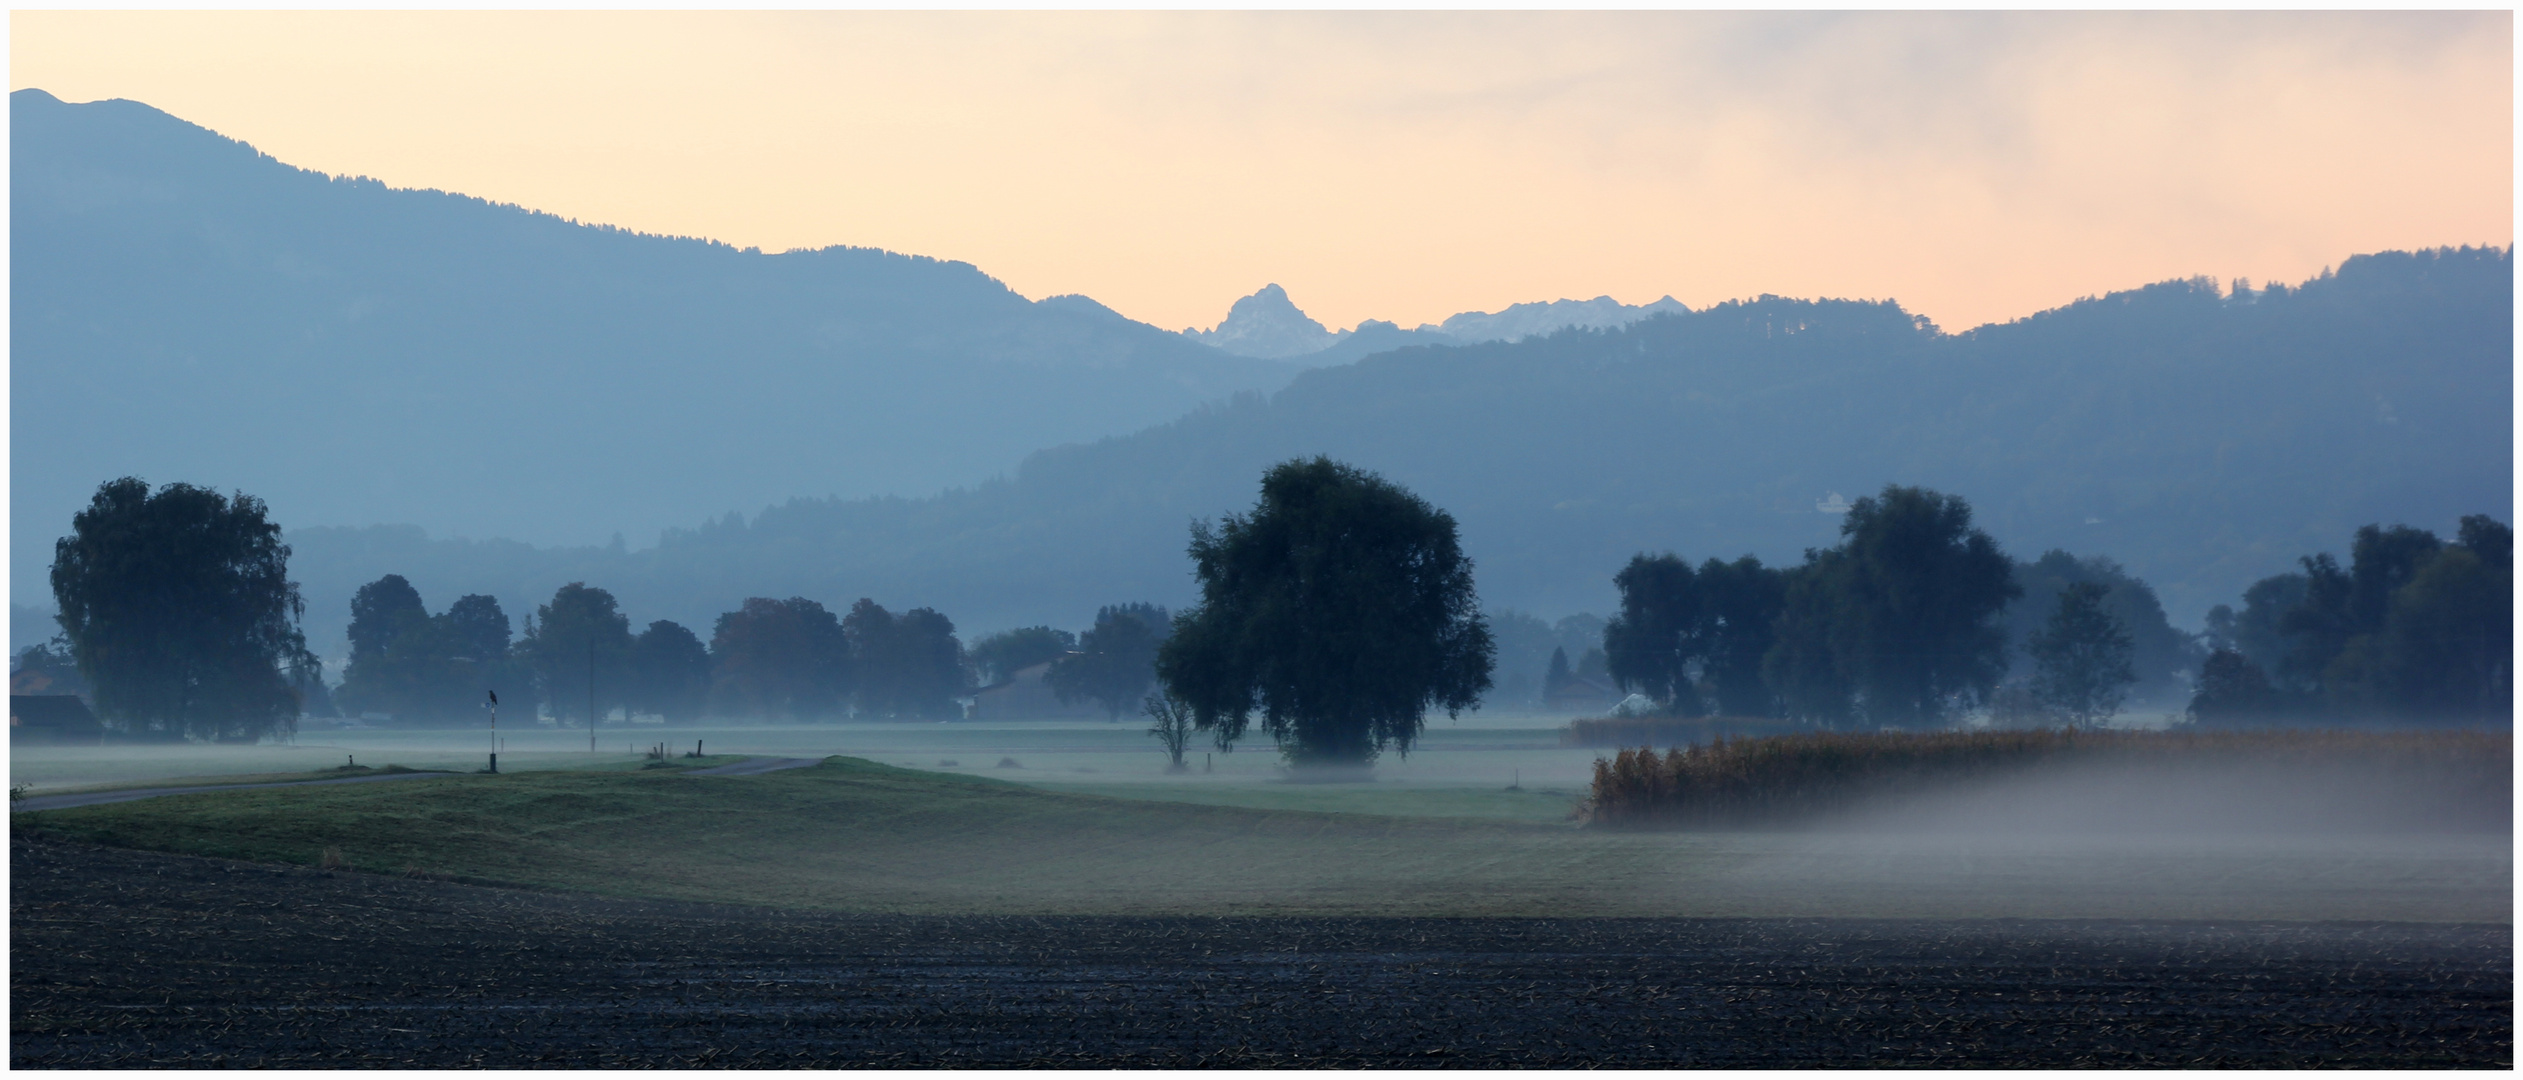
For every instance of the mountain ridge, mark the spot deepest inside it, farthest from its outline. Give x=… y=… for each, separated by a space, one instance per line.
x=1711 y=434
x=427 y=341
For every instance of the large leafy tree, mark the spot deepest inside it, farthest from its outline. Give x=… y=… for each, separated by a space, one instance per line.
x=670 y=672
x=1341 y=610
x=581 y=634
x=2257 y=632
x=178 y=609
x=1696 y=639
x=2081 y=659
x=781 y=658
x=2232 y=692
x=2445 y=650
x=1116 y=660
x=2164 y=659
x=910 y=666
x=1898 y=625
x=1741 y=601
x=1801 y=666
x=387 y=619
x=1651 y=644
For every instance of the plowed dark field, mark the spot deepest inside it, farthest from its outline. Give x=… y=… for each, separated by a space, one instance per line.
x=132 y=959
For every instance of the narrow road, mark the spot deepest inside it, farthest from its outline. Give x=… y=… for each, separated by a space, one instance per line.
x=92 y=798
x=752 y=766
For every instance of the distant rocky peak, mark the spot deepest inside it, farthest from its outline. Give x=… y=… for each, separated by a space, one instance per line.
x=1267 y=324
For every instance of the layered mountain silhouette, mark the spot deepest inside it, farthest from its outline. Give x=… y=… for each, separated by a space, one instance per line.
x=186 y=308
x=2203 y=438
x=1269 y=324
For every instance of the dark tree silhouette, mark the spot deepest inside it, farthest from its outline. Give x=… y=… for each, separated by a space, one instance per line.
x=2446 y=648
x=1556 y=677
x=2081 y=668
x=1172 y=725
x=1741 y=604
x=1898 y=625
x=178 y=609
x=909 y=665
x=1341 y=609
x=2412 y=629
x=428 y=669
x=1115 y=661
x=670 y=672
x=580 y=632
x=2165 y=659
x=2232 y=692
x=1658 y=634
x=780 y=658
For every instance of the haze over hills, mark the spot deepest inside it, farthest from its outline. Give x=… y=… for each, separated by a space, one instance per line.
x=187 y=308
x=2202 y=438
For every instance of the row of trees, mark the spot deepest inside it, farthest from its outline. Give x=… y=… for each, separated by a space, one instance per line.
x=1915 y=617
x=1902 y=624
x=577 y=657
x=2413 y=628
x=1895 y=626
x=1112 y=664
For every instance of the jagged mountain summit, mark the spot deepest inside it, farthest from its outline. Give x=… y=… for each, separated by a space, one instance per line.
x=1267 y=324
x=188 y=308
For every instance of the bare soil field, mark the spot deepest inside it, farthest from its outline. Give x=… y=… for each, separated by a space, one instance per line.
x=123 y=958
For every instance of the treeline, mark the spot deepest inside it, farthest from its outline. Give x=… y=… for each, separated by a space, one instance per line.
x=787 y=659
x=577 y=656
x=1916 y=618
x=2413 y=628
x=1112 y=664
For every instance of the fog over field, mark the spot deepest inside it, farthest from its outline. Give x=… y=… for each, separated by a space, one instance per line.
x=2171 y=843
x=1031 y=540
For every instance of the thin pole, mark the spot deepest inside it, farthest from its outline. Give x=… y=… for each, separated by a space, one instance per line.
x=591 y=695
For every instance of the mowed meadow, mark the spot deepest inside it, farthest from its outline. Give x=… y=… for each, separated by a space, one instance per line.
x=854 y=835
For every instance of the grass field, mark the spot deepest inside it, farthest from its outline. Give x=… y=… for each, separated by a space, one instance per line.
x=1460 y=770
x=852 y=835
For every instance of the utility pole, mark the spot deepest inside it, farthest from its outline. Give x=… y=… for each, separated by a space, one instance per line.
x=591 y=694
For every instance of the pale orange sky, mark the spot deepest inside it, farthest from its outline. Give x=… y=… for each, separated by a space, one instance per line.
x=1399 y=166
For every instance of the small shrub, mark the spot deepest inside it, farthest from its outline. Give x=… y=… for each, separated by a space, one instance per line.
x=332 y=860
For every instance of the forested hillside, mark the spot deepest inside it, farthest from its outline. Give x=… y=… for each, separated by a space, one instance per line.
x=2201 y=437
x=186 y=308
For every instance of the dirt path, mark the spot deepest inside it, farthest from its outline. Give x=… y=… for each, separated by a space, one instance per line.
x=127 y=959
x=93 y=798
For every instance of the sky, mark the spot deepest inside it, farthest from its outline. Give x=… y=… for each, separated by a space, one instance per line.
x=1400 y=165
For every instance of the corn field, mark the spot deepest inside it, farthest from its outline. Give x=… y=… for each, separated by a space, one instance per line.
x=1785 y=779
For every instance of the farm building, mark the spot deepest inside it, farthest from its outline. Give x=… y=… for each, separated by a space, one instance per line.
x=51 y=720
x=1027 y=695
x=1578 y=695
